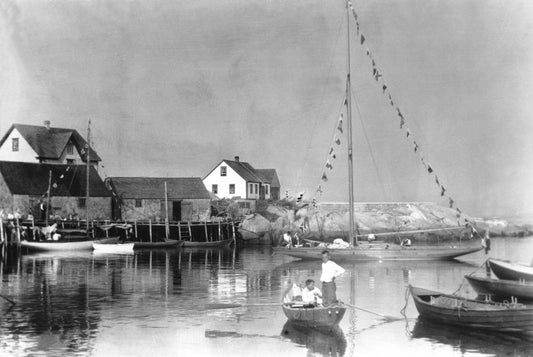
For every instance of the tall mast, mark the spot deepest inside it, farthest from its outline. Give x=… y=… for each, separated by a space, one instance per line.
x=87 y=169
x=351 y=235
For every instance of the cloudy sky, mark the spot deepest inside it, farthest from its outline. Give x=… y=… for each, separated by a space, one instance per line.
x=173 y=87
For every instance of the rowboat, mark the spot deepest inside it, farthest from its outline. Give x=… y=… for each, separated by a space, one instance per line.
x=458 y=311
x=511 y=271
x=167 y=243
x=380 y=251
x=64 y=244
x=214 y=244
x=324 y=318
x=114 y=248
x=501 y=288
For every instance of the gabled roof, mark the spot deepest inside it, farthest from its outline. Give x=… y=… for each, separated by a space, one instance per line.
x=154 y=187
x=24 y=178
x=270 y=176
x=244 y=170
x=50 y=143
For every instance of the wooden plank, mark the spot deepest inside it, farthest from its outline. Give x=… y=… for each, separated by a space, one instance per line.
x=190 y=230
x=206 y=236
x=150 y=226
x=179 y=230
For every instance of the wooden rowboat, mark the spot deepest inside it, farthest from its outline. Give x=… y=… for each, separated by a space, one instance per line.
x=454 y=310
x=168 y=243
x=214 y=244
x=323 y=318
x=115 y=248
x=65 y=244
x=504 y=289
x=381 y=251
x=511 y=271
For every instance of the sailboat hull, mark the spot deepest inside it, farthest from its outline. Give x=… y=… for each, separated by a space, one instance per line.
x=64 y=245
x=392 y=252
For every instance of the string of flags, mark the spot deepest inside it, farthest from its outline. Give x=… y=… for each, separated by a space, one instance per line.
x=377 y=74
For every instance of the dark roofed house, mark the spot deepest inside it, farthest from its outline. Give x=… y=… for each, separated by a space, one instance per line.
x=236 y=179
x=44 y=144
x=142 y=198
x=24 y=186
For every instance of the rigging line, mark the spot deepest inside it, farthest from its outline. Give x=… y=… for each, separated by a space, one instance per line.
x=385 y=196
x=322 y=105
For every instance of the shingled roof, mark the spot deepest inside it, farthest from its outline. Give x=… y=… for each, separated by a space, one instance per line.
x=49 y=143
x=154 y=187
x=270 y=176
x=244 y=170
x=24 y=178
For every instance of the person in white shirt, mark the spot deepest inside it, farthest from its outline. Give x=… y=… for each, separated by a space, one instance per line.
x=293 y=293
x=330 y=270
x=311 y=295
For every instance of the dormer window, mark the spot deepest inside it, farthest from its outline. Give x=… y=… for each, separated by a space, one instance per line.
x=15 y=144
x=223 y=170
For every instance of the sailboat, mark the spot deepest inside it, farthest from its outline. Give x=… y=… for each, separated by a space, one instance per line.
x=73 y=242
x=373 y=251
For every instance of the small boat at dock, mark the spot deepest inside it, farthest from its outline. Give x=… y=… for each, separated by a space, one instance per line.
x=511 y=271
x=65 y=244
x=504 y=289
x=487 y=315
x=318 y=317
x=214 y=244
x=166 y=244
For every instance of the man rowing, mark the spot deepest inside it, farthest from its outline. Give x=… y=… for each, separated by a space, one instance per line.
x=330 y=270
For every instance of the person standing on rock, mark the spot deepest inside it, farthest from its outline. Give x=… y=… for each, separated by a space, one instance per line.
x=330 y=270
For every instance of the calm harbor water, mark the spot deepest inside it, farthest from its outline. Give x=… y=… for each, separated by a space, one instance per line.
x=153 y=303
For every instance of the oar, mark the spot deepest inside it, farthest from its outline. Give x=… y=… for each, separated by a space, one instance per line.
x=232 y=306
x=388 y=318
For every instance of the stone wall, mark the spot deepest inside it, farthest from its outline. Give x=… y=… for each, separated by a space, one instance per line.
x=154 y=209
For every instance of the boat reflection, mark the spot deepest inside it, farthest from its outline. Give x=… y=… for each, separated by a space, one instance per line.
x=471 y=340
x=331 y=343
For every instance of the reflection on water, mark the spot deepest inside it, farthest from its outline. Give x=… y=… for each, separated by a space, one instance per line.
x=81 y=304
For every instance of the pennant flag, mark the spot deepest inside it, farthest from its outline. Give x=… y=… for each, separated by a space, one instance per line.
x=458 y=210
x=390 y=97
x=442 y=191
x=334 y=156
x=373 y=63
x=346 y=101
x=362 y=39
x=430 y=169
x=402 y=122
x=328 y=165
x=451 y=203
x=384 y=88
x=337 y=141
x=415 y=145
x=367 y=52
x=339 y=127
x=377 y=76
x=357 y=27
x=408 y=132
x=391 y=103
x=374 y=71
x=331 y=150
x=437 y=180
x=324 y=177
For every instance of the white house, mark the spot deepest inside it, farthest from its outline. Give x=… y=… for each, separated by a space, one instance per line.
x=238 y=179
x=44 y=144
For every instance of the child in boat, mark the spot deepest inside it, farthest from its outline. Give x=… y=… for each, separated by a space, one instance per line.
x=311 y=295
x=292 y=294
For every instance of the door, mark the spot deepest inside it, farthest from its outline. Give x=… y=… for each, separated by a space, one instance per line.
x=176 y=211
x=186 y=211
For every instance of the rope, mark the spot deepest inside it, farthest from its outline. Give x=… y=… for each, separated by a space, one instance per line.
x=464 y=279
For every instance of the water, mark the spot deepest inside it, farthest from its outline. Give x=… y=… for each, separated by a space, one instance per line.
x=153 y=303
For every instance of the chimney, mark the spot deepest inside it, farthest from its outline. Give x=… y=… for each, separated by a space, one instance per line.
x=47 y=124
x=237 y=158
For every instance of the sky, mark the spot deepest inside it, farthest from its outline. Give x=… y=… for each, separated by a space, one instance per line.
x=174 y=87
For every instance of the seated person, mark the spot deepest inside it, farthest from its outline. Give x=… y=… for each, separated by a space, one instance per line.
x=406 y=242
x=287 y=239
x=292 y=294
x=311 y=295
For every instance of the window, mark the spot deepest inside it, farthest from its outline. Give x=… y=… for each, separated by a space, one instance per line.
x=214 y=189
x=70 y=149
x=81 y=202
x=251 y=186
x=15 y=144
x=71 y=161
x=231 y=188
x=266 y=190
x=256 y=188
x=223 y=170
x=138 y=203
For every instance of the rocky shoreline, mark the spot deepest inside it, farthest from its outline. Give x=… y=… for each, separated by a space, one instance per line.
x=330 y=220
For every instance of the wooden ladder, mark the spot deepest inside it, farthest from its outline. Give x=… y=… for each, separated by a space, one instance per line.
x=184 y=231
